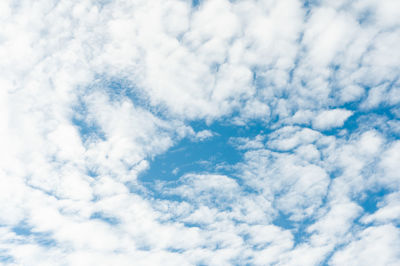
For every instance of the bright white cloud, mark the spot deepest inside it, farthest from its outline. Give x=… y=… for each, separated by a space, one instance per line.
x=375 y=245
x=331 y=119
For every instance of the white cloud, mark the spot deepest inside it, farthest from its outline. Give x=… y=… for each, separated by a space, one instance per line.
x=333 y=227
x=389 y=165
x=376 y=245
x=287 y=138
x=203 y=135
x=211 y=188
x=370 y=143
x=331 y=119
x=351 y=93
x=246 y=143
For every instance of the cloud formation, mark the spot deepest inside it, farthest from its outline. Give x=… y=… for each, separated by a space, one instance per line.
x=290 y=109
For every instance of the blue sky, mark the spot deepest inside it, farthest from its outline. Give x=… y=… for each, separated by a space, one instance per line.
x=207 y=132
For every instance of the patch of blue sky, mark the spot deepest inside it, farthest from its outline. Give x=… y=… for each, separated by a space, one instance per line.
x=43 y=239
x=196 y=3
x=88 y=129
x=283 y=220
x=372 y=120
x=22 y=230
x=213 y=155
x=308 y=3
x=369 y=200
x=193 y=225
x=5 y=258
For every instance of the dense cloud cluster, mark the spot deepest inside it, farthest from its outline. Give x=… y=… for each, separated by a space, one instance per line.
x=92 y=91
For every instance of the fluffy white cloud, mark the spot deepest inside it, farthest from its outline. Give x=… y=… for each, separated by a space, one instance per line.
x=331 y=119
x=375 y=245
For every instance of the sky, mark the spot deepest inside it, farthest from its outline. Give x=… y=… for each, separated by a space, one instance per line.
x=208 y=132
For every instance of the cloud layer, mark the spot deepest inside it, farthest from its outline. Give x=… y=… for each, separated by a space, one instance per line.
x=290 y=110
